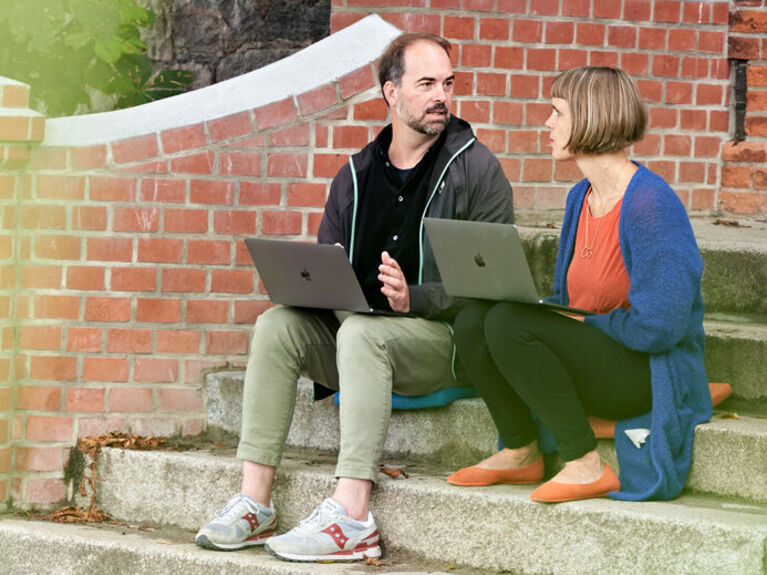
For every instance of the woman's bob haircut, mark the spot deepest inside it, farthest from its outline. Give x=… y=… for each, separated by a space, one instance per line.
x=606 y=108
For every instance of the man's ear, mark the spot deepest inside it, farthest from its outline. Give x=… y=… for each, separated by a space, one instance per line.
x=390 y=93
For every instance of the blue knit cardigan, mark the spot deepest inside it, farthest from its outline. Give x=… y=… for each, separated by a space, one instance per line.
x=665 y=320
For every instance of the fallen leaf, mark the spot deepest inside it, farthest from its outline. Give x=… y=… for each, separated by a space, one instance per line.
x=729 y=223
x=729 y=415
x=394 y=472
x=374 y=561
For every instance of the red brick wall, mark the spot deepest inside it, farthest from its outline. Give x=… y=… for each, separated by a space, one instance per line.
x=507 y=52
x=744 y=169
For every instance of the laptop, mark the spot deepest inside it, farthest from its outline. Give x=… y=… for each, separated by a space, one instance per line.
x=484 y=260
x=309 y=275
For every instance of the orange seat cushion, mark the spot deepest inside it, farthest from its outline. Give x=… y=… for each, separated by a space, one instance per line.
x=605 y=428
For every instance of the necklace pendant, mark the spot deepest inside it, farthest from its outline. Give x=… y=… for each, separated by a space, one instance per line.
x=586 y=253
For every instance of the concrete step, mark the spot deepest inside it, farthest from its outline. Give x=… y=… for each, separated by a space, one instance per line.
x=729 y=457
x=36 y=547
x=735 y=258
x=484 y=528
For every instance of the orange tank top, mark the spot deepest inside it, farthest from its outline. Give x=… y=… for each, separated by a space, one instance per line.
x=597 y=280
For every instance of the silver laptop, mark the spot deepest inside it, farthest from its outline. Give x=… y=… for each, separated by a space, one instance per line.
x=484 y=260
x=309 y=275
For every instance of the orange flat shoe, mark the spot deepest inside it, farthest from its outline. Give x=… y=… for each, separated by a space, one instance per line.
x=477 y=476
x=555 y=492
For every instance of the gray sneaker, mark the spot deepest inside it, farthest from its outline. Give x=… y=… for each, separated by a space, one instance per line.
x=328 y=534
x=242 y=523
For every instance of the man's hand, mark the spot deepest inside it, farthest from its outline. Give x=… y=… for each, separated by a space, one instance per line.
x=394 y=285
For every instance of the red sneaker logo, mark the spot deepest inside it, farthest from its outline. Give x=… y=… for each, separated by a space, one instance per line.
x=338 y=536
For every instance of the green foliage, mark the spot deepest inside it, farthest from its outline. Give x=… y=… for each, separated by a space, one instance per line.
x=69 y=49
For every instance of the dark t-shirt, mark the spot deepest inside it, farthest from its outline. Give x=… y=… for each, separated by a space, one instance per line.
x=390 y=209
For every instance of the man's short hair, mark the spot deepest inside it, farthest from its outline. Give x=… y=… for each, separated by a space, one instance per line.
x=607 y=111
x=391 y=64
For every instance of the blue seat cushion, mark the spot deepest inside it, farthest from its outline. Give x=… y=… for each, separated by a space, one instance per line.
x=435 y=399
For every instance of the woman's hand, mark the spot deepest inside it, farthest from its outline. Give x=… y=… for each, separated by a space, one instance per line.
x=394 y=284
x=575 y=316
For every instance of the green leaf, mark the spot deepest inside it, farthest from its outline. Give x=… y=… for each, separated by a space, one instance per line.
x=110 y=52
x=77 y=40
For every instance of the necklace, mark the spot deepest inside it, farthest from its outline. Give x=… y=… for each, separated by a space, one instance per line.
x=586 y=251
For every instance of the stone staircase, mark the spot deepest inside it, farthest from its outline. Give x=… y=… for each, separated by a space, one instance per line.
x=719 y=525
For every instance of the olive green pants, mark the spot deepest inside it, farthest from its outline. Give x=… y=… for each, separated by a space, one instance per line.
x=366 y=357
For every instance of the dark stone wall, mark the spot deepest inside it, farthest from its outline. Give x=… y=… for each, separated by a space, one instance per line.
x=220 y=39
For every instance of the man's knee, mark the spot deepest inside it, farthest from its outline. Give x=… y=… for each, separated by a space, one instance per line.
x=359 y=330
x=275 y=326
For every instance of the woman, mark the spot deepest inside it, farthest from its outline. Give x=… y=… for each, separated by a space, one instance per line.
x=628 y=254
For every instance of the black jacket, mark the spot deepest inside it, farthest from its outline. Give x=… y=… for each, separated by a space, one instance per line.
x=467 y=183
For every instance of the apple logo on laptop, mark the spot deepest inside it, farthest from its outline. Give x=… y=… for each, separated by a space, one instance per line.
x=306 y=275
x=479 y=260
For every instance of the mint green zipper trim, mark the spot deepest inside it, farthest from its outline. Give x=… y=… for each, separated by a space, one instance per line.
x=452 y=358
x=426 y=208
x=354 y=211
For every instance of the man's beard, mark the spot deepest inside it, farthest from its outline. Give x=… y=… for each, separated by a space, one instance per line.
x=420 y=125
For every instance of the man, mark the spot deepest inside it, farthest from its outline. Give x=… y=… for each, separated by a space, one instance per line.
x=426 y=163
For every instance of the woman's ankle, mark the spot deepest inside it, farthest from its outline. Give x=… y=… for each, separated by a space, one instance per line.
x=512 y=458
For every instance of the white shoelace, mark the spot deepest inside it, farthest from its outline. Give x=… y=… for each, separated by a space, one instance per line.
x=227 y=512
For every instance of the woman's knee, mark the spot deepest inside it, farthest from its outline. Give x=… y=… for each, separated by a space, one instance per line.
x=469 y=323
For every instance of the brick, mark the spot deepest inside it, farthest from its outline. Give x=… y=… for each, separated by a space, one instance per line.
x=109 y=249
x=44 y=491
x=490 y=84
x=572 y=59
x=133 y=279
x=306 y=194
x=274 y=114
x=57 y=307
x=291 y=136
x=49 y=158
x=89 y=426
x=157 y=426
x=41 y=428
x=356 y=82
x=185 y=221
x=158 y=310
x=537 y=114
x=664 y=169
x=550 y=198
x=287 y=165
x=41 y=277
x=652 y=39
x=682 y=40
x=317 y=99
x=679 y=92
x=494 y=29
x=663 y=117
x=743 y=202
x=130 y=400
x=134 y=149
x=702 y=200
x=92 y=218
x=57 y=247
x=164 y=191
x=759 y=177
x=541 y=59
x=112 y=189
x=231 y=281
x=603 y=58
x=696 y=12
x=176 y=400
x=160 y=250
x=229 y=127
x=756 y=126
x=183 y=280
x=15 y=96
x=208 y=252
x=136 y=219
x=590 y=34
x=743 y=48
x=692 y=119
x=752 y=152
x=523 y=86
x=38 y=397
x=200 y=163
x=708 y=94
x=211 y=192
x=247 y=311
x=476 y=55
x=39 y=337
x=234 y=222
x=60 y=187
x=151 y=370
x=692 y=172
x=537 y=170
x=559 y=32
x=471 y=4
x=107 y=309
x=695 y=67
x=280 y=223
x=666 y=10
x=676 y=145
x=576 y=7
x=85 y=399
x=129 y=341
x=736 y=176
x=608 y=9
x=756 y=76
x=567 y=171
x=635 y=64
x=622 y=36
x=505 y=112
x=38 y=458
x=89 y=157
x=240 y=164
x=756 y=101
x=651 y=90
x=327 y=165
x=711 y=41
x=178 y=341
x=14 y=129
x=341 y=20
x=414 y=21
x=207 y=311
x=192 y=427
x=354 y=137
x=707 y=146
x=83 y=339
x=458 y=27
x=185 y=138
x=527 y=31
x=665 y=65
x=259 y=194
x=7 y=185
x=111 y=369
